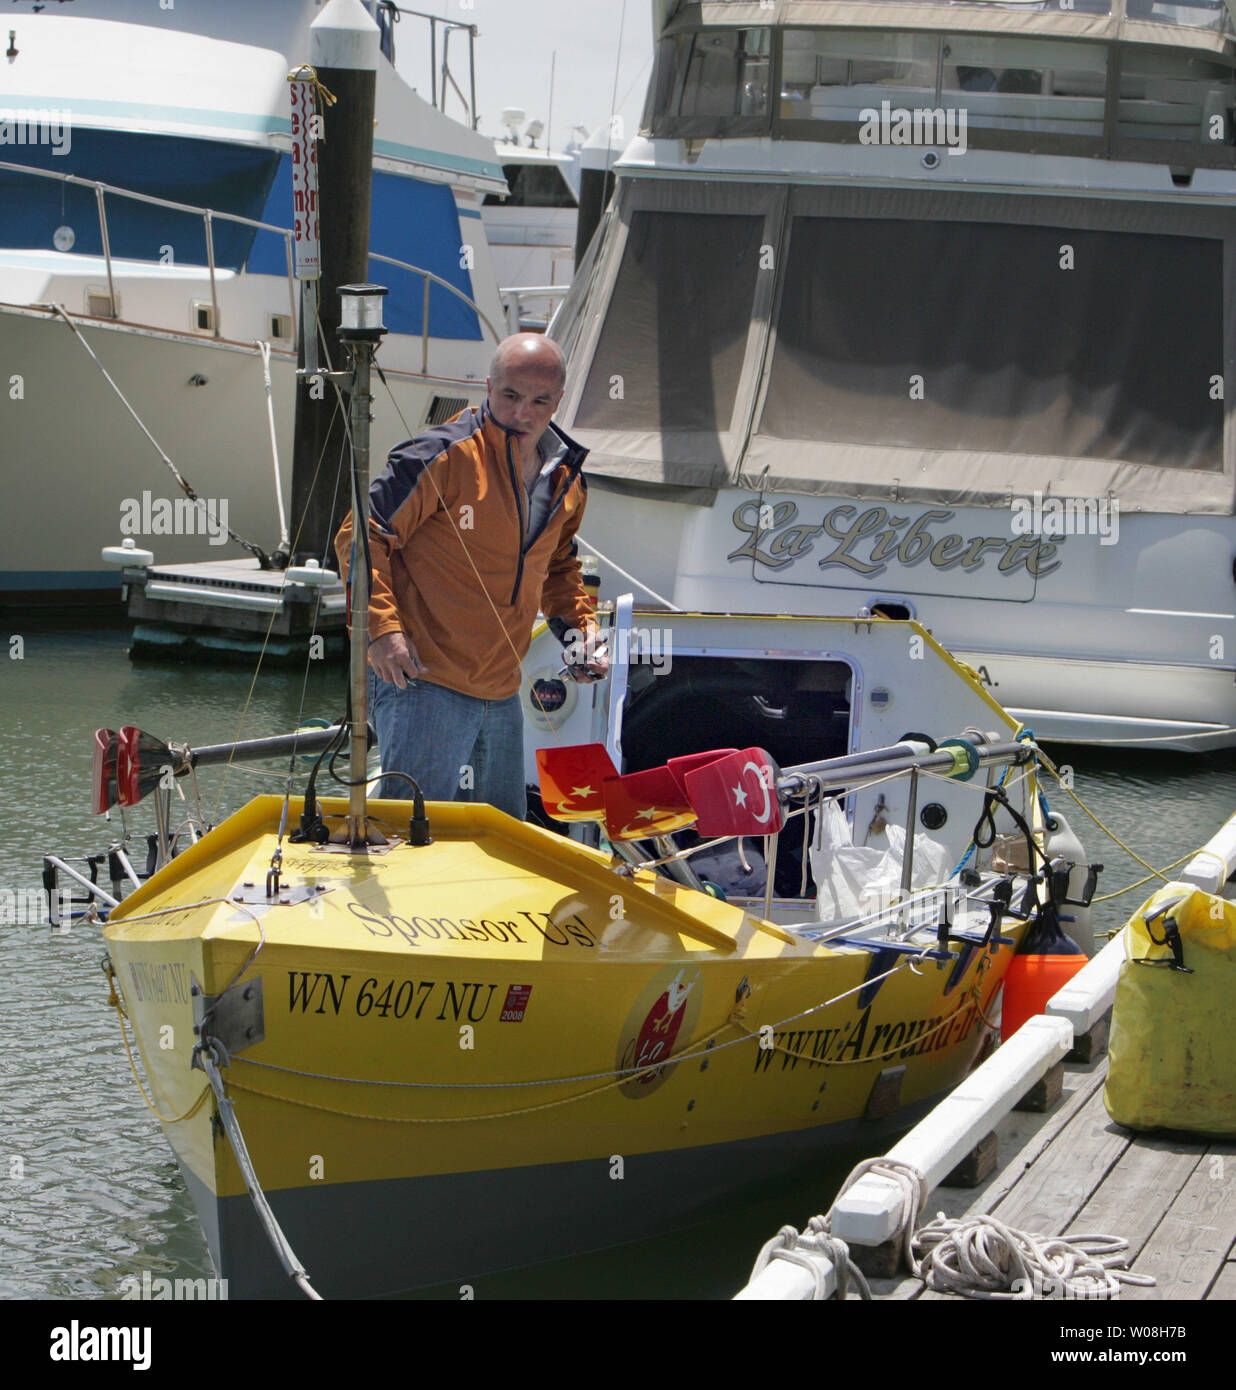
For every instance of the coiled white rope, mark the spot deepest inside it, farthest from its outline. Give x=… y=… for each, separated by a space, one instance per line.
x=973 y=1256
x=817 y=1239
x=914 y=1192
x=981 y=1257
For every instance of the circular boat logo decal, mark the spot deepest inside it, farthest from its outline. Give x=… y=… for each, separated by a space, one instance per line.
x=548 y=700
x=663 y=1018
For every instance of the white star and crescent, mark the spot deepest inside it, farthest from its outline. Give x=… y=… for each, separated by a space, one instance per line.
x=759 y=771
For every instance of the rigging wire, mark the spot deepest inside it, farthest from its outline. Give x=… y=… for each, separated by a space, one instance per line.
x=227 y=768
x=185 y=486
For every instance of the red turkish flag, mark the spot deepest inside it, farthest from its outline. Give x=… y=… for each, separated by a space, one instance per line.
x=645 y=803
x=736 y=795
x=572 y=780
x=679 y=767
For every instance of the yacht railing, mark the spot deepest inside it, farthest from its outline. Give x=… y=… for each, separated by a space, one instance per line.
x=430 y=278
x=440 y=83
x=208 y=216
x=1180 y=14
x=514 y=299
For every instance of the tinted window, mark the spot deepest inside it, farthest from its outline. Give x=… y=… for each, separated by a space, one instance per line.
x=994 y=337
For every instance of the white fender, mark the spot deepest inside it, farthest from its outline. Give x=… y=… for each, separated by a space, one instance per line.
x=1062 y=843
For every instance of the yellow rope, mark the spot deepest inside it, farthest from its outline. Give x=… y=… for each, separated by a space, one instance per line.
x=1154 y=873
x=972 y=994
x=1120 y=892
x=114 y=999
x=306 y=73
x=698 y=1049
x=691 y=1053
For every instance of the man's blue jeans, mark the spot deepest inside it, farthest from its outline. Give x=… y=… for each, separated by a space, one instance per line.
x=457 y=747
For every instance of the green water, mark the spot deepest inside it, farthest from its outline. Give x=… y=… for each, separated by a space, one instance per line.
x=89 y=1192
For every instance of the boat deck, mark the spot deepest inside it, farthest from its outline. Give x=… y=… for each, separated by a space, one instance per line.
x=1073 y=1170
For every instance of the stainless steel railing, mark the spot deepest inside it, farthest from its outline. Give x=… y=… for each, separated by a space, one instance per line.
x=208 y=216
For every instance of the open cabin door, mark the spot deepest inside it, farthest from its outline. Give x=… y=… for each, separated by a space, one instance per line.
x=611 y=699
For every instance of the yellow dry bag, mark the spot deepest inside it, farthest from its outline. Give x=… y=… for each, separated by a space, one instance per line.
x=1173 y=1046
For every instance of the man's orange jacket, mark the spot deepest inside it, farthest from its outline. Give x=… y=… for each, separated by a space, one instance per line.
x=451 y=566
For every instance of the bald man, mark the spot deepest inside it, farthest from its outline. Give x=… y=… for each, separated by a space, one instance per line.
x=472 y=531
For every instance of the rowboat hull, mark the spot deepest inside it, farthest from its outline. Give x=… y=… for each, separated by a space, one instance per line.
x=382 y=1236
x=493 y=1051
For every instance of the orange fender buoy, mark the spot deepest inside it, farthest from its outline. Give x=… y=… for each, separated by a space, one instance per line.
x=1029 y=983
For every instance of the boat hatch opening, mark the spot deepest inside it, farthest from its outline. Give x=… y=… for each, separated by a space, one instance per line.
x=797 y=710
x=895 y=609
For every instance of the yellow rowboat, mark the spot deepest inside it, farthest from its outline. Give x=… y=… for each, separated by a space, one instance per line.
x=496 y=1049
x=506 y=1046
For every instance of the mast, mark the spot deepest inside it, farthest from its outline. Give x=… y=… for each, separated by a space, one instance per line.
x=361 y=329
x=344 y=51
x=344 y=46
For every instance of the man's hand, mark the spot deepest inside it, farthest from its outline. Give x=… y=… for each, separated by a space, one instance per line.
x=587 y=657
x=597 y=668
x=394 y=658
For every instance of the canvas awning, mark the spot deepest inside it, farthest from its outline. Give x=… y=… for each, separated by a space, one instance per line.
x=934 y=345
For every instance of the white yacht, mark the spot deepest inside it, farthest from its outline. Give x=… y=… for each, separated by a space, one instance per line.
x=926 y=310
x=531 y=227
x=110 y=112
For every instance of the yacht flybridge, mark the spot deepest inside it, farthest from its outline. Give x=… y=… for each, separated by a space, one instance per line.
x=925 y=310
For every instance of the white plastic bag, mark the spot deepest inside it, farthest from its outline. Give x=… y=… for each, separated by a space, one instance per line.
x=858 y=880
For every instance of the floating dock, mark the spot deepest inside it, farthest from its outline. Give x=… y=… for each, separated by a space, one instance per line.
x=1173 y=1198
x=1026 y=1140
x=1069 y=1170
x=232 y=610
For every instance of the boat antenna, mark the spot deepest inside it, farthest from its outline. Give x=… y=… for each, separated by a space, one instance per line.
x=613 y=100
x=549 y=120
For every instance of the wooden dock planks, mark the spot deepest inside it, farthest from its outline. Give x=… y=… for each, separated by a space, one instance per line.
x=1131 y=1202
x=1171 y=1196
x=1050 y=1193
x=1195 y=1236
x=1224 y=1287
